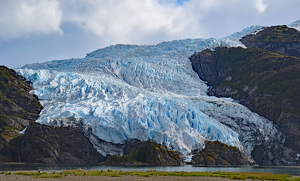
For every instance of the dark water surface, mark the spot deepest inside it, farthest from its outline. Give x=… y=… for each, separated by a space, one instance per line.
x=187 y=168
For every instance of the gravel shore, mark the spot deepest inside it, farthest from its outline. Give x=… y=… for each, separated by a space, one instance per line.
x=105 y=178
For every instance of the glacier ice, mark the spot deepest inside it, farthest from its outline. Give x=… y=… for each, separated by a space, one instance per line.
x=126 y=92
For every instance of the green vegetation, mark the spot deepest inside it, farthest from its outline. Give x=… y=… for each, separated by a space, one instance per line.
x=4 y=74
x=9 y=133
x=150 y=173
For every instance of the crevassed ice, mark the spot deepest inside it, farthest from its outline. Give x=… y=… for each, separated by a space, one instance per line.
x=142 y=92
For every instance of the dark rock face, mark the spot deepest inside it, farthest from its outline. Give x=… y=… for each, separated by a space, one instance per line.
x=273 y=154
x=17 y=109
x=279 y=39
x=146 y=153
x=17 y=106
x=217 y=153
x=206 y=66
x=61 y=145
x=264 y=81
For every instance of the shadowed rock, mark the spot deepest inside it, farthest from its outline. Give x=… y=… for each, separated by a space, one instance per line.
x=217 y=153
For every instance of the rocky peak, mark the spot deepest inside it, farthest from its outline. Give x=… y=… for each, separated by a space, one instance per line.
x=281 y=39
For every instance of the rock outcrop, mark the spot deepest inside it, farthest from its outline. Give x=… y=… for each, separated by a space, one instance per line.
x=264 y=81
x=57 y=145
x=146 y=153
x=273 y=154
x=217 y=153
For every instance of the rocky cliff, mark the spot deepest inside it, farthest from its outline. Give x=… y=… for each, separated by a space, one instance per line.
x=146 y=153
x=17 y=109
x=217 y=153
x=57 y=145
x=266 y=82
x=17 y=106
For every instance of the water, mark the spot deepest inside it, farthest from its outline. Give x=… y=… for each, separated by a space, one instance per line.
x=187 y=168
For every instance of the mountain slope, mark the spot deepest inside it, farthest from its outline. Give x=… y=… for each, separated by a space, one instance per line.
x=266 y=82
x=127 y=92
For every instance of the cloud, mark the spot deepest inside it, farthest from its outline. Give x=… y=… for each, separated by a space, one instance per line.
x=26 y=17
x=260 y=6
x=152 y=21
x=42 y=30
x=130 y=20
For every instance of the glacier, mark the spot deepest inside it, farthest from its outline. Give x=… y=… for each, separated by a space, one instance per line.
x=143 y=92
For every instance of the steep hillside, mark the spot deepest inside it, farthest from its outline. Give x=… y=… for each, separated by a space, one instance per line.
x=265 y=77
x=17 y=106
x=266 y=82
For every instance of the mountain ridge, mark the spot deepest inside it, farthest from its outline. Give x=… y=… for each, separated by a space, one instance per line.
x=152 y=93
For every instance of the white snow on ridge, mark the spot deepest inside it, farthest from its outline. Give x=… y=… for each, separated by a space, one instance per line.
x=142 y=92
x=295 y=25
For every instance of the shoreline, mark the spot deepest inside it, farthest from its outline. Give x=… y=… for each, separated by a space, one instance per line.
x=148 y=175
x=108 y=178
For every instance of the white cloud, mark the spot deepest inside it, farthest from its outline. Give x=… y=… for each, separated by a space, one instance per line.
x=153 y=21
x=260 y=6
x=91 y=24
x=130 y=21
x=25 y=17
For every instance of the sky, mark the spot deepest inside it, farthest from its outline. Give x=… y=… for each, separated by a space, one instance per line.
x=33 y=31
